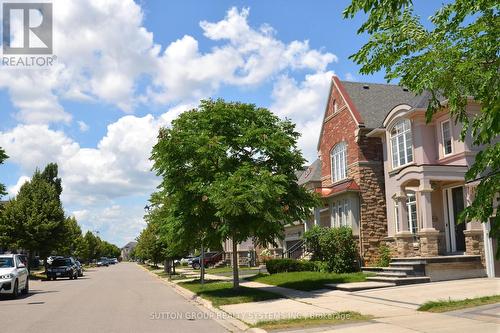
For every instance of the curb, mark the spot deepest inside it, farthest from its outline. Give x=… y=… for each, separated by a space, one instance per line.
x=229 y=322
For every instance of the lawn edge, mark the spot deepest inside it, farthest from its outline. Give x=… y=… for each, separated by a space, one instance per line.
x=229 y=322
x=445 y=306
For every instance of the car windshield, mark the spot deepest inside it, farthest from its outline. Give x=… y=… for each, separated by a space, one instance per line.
x=6 y=262
x=61 y=262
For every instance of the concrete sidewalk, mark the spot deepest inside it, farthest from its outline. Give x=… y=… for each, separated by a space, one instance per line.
x=394 y=308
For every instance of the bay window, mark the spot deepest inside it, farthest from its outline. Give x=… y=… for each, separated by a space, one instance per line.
x=401 y=143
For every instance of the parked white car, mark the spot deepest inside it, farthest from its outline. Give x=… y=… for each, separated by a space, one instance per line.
x=14 y=275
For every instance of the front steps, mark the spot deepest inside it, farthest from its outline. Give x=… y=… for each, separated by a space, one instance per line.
x=399 y=272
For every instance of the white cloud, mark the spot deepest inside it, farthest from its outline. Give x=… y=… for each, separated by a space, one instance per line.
x=304 y=103
x=14 y=189
x=350 y=77
x=83 y=126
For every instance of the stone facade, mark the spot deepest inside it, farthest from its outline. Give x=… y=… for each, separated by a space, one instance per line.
x=429 y=243
x=474 y=244
x=365 y=167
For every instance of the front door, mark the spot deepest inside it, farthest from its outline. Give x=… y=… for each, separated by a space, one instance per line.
x=455 y=230
x=457 y=194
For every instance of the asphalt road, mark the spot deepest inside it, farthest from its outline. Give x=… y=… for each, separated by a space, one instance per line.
x=119 y=298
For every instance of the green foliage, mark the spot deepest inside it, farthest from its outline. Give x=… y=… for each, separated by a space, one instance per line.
x=34 y=220
x=307 y=280
x=228 y=171
x=221 y=293
x=70 y=237
x=334 y=246
x=455 y=55
x=274 y=266
x=312 y=242
x=3 y=157
x=150 y=245
x=385 y=255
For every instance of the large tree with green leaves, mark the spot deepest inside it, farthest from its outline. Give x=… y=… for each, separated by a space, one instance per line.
x=70 y=238
x=3 y=157
x=228 y=172
x=455 y=54
x=34 y=220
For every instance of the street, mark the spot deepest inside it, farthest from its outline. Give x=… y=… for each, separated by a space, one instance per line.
x=118 y=298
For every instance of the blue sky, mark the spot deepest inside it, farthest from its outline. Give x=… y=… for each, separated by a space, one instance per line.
x=126 y=68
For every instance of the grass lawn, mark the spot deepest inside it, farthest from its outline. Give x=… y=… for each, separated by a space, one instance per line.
x=38 y=275
x=307 y=280
x=222 y=292
x=450 y=305
x=329 y=319
x=228 y=269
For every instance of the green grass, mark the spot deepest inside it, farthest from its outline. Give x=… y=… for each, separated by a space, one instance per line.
x=222 y=293
x=307 y=281
x=228 y=269
x=38 y=275
x=450 y=305
x=320 y=320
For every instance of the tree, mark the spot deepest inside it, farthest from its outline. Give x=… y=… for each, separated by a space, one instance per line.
x=35 y=218
x=71 y=236
x=91 y=246
x=150 y=245
x=228 y=172
x=3 y=157
x=456 y=57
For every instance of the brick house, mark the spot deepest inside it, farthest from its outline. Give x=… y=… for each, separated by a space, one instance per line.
x=349 y=174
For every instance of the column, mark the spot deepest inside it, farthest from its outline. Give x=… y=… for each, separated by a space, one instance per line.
x=428 y=234
x=332 y=216
x=404 y=238
x=317 y=216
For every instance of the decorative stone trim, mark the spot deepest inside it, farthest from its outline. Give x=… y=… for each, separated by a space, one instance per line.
x=429 y=246
x=404 y=245
x=474 y=244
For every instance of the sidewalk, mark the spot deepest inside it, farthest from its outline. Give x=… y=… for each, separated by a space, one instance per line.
x=394 y=308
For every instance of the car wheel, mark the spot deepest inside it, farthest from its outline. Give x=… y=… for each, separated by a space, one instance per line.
x=76 y=275
x=15 y=290
x=196 y=266
x=26 y=287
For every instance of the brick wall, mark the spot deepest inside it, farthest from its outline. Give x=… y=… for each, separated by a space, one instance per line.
x=365 y=166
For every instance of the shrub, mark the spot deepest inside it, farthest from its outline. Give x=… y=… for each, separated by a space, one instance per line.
x=334 y=246
x=274 y=266
x=385 y=255
x=311 y=238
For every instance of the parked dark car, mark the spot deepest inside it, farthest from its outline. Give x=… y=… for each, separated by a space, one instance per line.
x=62 y=267
x=103 y=262
x=211 y=258
x=80 y=268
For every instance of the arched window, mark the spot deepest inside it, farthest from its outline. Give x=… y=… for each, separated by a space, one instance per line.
x=339 y=162
x=401 y=143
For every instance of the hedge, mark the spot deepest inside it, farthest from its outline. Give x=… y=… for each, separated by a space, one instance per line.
x=289 y=265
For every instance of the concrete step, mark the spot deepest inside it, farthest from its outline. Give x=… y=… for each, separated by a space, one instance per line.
x=356 y=286
x=400 y=281
x=371 y=269
x=391 y=274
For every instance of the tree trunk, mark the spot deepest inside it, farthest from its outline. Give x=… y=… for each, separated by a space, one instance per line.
x=236 y=278
x=202 y=264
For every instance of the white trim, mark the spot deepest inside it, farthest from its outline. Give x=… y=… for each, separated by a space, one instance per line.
x=443 y=140
x=401 y=135
x=451 y=244
x=488 y=250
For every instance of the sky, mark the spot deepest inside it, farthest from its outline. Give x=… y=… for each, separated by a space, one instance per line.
x=126 y=68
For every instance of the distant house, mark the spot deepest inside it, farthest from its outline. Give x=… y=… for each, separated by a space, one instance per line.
x=127 y=249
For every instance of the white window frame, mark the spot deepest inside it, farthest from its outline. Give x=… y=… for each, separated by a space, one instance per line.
x=411 y=208
x=450 y=137
x=338 y=161
x=396 y=212
x=335 y=106
x=402 y=137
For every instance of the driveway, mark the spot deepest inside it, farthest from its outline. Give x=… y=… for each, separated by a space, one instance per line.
x=119 y=298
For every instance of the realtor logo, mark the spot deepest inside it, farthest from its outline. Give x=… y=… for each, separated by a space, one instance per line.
x=27 y=28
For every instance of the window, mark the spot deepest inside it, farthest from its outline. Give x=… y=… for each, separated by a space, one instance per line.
x=401 y=143
x=335 y=106
x=396 y=214
x=446 y=132
x=411 y=205
x=339 y=162
x=346 y=212
x=340 y=213
x=334 y=214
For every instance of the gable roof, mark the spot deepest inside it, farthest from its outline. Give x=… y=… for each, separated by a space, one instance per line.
x=130 y=245
x=374 y=100
x=311 y=174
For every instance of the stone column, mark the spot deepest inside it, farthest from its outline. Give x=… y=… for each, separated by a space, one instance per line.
x=428 y=234
x=404 y=238
x=317 y=216
x=474 y=244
